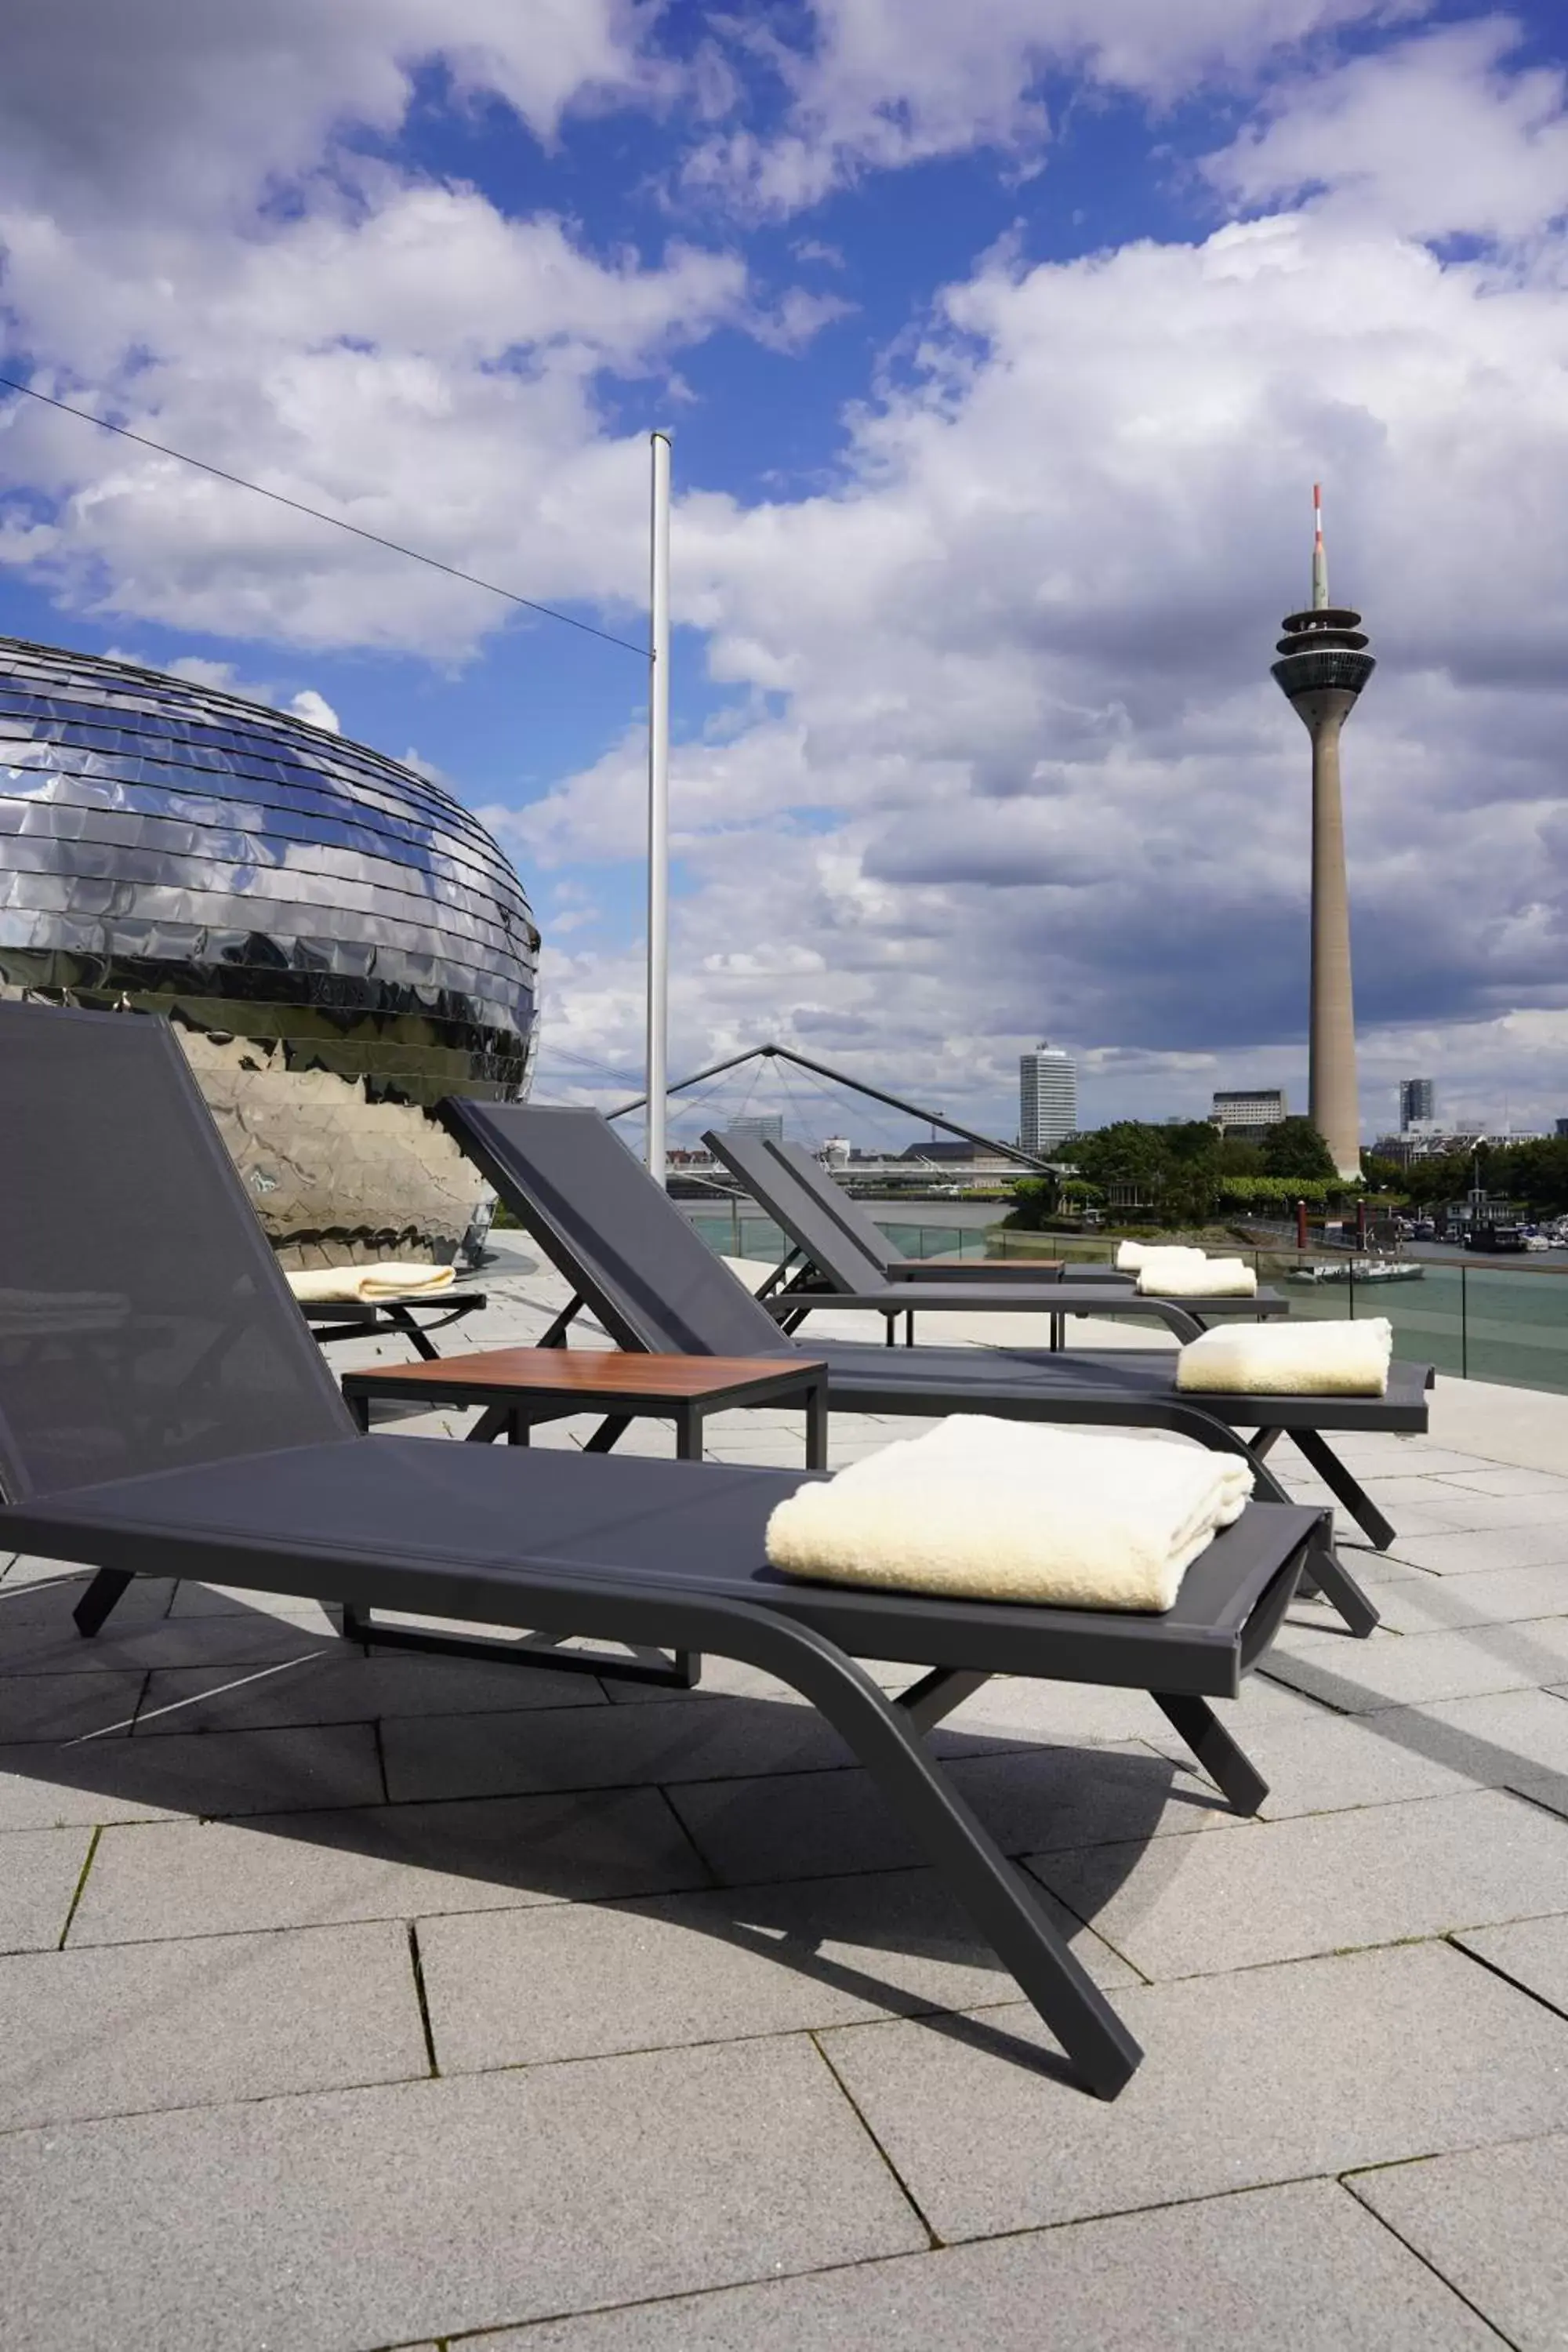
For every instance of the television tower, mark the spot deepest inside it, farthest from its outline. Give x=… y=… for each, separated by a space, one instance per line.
x=1322 y=668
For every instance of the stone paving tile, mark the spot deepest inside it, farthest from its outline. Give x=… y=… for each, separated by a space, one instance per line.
x=1412 y=1669
x=1508 y=1478
x=62 y=1706
x=817 y=1825
x=1502 y=1741
x=708 y=1968
x=1316 y=1762
x=39 y=1871
x=213 y=1773
x=33 y=1796
x=1271 y=2074
x=1492 y=1596
x=1465 y=1511
x=347 y=1686
x=1491 y=2223
x=193 y=1598
x=389 y=1861
x=1292 y=2269
x=37 y=1635
x=111 y=2032
x=1534 y=1953
x=512 y=1754
x=1481 y=1548
x=368 y=2218
x=1073 y=1713
x=1325 y=1883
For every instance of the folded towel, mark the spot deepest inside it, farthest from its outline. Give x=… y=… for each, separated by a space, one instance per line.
x=1130 y=1256
x=1000 y=1510
x=1328 y=1358
x=1171 y=1273
x=366 y=1285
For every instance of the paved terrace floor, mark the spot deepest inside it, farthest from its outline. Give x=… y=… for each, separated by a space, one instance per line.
x=381 y=2000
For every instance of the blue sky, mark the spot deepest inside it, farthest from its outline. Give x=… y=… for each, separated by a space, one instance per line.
x=1000 y=347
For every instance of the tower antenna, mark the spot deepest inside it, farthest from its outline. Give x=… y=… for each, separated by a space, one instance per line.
x=1319 y=560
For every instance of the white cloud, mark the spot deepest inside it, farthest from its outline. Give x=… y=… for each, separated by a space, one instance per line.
x=1024 y=771
x=1438 y=137
x=880 y=84
x=187 y=112
x=1004 y=759
x=315 y=710
x=415 y=363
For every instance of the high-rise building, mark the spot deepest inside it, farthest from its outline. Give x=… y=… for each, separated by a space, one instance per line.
x=1048 y=1098
x=1417 y=1102
x=1249 y=1106
x=1563 y=1126
x=1322 y=668
x=767 y=1128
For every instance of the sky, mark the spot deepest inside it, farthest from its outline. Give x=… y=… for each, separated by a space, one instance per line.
x=1000 y=346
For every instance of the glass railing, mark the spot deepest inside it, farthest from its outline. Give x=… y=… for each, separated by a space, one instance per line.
x=1490 y=1322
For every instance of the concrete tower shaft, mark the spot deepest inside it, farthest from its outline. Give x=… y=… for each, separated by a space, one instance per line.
x=1322 y=667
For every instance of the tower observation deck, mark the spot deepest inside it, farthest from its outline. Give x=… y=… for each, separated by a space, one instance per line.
x=1322 y=667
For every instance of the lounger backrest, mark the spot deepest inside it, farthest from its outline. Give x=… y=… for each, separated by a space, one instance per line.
x=145 y=1322
x=778 y=1189
x=832 y=1199
x=612 y=1232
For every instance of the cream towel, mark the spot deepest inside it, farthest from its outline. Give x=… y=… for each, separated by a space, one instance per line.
x=1328 y=1358
x=1130 y=1256
x=1171 y=1273
x=998 y=1510
x=366 y=1285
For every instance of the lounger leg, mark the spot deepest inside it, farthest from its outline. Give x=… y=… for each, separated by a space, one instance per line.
x=1235 y=1777
x=93 y=1607
x=1378 y=1531
x=995 y=1894
x=610 y=1432
x=936 y=1694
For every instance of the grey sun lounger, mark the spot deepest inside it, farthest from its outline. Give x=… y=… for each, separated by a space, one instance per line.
x=841 y=1270
x=635 y=1263
x=196 y=1432
x=863 y=1230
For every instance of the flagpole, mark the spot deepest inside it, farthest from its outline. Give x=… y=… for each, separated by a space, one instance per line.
x=658 y=806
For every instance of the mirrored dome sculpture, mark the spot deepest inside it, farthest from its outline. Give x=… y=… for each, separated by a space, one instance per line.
x=336 y=941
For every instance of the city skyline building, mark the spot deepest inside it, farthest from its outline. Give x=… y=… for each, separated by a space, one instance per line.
x=1249 y=1106
x=1417 y=1102
x=1322 y=667
x=1048 y=1098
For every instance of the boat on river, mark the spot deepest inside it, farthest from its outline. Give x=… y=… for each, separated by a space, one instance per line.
x=1350 y=1269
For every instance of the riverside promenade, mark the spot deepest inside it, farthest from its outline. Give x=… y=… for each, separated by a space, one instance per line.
x=357 y=2001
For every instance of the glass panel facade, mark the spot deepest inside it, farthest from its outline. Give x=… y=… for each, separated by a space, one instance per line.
x=337 y=941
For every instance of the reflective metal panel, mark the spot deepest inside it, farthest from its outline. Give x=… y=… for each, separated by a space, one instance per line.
x=338 y=942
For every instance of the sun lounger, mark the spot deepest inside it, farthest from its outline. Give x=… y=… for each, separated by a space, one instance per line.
x=862 y=1229
x=843 y=1272
x=413 y=1319
x=200 y=1434
x=635 y=1262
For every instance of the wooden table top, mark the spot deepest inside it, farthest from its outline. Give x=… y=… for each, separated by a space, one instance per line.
x=590 y=1373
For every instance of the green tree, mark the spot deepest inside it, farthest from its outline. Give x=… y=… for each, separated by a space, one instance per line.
x=1292 y=1147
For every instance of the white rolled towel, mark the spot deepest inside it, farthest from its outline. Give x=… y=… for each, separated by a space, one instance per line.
x=1130 y=1256
x=366 y=1285
x=1173 y=1274
x=1328 y=1358
x=998 y=1510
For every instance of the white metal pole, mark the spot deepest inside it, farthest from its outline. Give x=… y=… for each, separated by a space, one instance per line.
x=658 y=806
